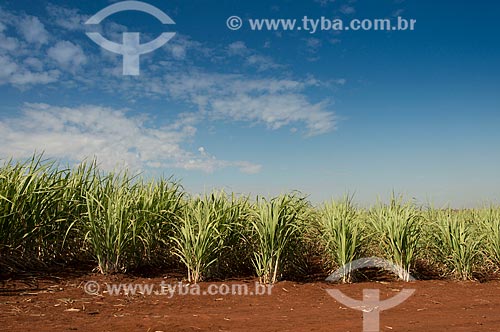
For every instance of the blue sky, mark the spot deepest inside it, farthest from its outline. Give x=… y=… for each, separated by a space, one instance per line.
x=264 y=112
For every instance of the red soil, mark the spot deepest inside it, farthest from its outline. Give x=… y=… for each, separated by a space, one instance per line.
x=62 y=305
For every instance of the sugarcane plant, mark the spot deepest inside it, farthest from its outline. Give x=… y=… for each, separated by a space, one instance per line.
x=457 y=242
x=275 y=225
x=340 y=234
x=201 y=233
x=489 y=217
x=396 y=230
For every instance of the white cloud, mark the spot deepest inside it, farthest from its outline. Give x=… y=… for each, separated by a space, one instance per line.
x=180 y=45
x=324 y=3
x=33 y=30
x=347 y=10
x=69 y=19
x=273 y=102
x=261 y=62
x=237 y=48
x=112 y=136
x=12 y=73
x=178 y=52
x=34 y=63
x=313 y=44
x=335 y=41
x=67 y=54
x=23 y=58
x=276 y=111
x=7 y=68
x=211 y=163
x=8 y=44
x=340 y=81
x=251 y=57
x=398 y=12
x=25 y=77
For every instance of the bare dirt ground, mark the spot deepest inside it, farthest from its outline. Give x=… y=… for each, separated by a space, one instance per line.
x=61 y=304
